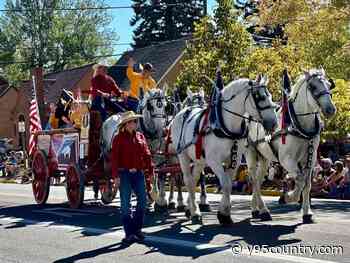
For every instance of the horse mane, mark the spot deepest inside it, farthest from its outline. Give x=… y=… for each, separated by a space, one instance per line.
x=235 y=86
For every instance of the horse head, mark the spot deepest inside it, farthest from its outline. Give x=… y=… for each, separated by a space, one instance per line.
x=194 y=99
x=153 y=108
x=260 y=103
x=320 y=89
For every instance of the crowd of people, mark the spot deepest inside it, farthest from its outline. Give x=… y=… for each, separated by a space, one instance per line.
x=331 y=179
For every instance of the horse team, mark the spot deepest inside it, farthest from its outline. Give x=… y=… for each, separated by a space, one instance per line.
x=240 y=118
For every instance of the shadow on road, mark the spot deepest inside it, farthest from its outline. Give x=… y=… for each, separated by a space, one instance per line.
x=170 y=226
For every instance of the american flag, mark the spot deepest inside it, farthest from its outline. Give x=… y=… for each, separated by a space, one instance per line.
x=34 y=118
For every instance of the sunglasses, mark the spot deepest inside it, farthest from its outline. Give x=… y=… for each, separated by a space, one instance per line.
x=134 y=121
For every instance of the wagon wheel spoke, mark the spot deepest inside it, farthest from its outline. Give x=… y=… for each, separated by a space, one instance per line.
x=41 y=182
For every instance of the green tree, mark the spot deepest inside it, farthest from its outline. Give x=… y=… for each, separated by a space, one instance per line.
x=218 y=40
x=42 y=34
x=162 y=20
x=318 y=35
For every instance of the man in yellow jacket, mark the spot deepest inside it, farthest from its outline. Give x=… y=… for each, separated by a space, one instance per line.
x=142 y=80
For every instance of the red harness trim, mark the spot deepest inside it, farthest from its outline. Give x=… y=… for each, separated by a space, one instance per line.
x=200 y=138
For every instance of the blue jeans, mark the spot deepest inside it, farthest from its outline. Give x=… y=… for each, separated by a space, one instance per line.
x=132 y=181
x=103 y=104
x=132 y=104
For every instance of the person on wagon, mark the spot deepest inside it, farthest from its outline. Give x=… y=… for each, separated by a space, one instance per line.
x=142 y=80
x=63 y=108
x=131 y=160
x=103 y=87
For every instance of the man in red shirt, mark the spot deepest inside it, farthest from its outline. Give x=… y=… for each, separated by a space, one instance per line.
x=103 y=87
x=131 y=157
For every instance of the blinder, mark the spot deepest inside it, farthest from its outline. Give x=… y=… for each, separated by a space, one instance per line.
x=260 y=94
x=149 y=106
x=318 y=86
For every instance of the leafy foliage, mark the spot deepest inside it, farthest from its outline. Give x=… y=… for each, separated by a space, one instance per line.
x=317 y=35
x=41 y=35
x=162 y=20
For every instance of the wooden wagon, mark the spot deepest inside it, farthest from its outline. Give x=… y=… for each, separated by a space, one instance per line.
x=76 y=156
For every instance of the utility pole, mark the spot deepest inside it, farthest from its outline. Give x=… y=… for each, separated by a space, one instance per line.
x=205 y=7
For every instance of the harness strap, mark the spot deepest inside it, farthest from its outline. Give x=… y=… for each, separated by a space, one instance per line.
x=296 y=126
x=217 y=121
x=201 y=134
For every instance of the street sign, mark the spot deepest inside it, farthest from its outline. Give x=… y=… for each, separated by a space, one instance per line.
x=21 y=126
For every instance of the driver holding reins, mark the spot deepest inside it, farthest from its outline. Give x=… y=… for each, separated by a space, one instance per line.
x=103 y=87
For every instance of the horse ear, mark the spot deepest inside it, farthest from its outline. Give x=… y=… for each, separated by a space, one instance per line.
x=264 y=81
x=201 y=93
x=189 y=93
x=258 y=78
x=165 y=88
x=332 y=84
x=306 y=73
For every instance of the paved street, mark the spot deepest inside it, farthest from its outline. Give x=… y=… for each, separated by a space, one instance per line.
x=55 y=233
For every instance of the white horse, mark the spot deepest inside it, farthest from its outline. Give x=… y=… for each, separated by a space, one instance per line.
x=152 y=108
x=308 y=98
x=196 y=99
x=238 y=98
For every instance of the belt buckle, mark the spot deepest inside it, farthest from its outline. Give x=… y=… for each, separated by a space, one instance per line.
x=133 y=170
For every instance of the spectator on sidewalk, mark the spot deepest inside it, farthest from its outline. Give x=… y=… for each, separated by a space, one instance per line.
x=344 y=185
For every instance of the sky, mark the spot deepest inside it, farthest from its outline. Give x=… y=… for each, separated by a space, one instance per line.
x=121 y=18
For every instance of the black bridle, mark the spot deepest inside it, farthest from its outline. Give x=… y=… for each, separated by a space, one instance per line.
x=260 y=95
x=159 y=98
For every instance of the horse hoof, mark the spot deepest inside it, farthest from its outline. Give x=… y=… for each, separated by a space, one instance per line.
x=188 y=213
x=171 y=206
x=204 y=207
x=196 y=220
x=255 y=214
x=160 y=209
x=224 y=220
x=265 y=216
x=181 y=208
x=307 y=219
x=282 y=200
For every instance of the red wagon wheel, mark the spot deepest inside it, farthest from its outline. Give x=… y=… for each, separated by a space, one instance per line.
x=109 y=191
x=75 y=187
x=41 y=177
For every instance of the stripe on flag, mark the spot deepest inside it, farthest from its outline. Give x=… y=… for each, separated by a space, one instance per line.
x=34 y=120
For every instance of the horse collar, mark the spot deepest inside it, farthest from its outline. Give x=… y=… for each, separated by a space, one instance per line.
x=298 y=129
x=217 y=120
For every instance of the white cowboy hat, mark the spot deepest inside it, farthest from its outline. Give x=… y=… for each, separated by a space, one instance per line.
x=100 y=64
x=128 y=116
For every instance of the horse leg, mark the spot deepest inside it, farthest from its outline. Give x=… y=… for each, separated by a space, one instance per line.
x=294 y=172
x=264 y=213
x=196 y=173
x=171 y=203
x=252 y=161
x=224 y=213
x=203 y=205
x=307 y=213
x=161 y=203
x=191 y=186
x=180 y=203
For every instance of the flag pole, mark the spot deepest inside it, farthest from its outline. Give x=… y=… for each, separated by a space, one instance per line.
x=34 y=90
